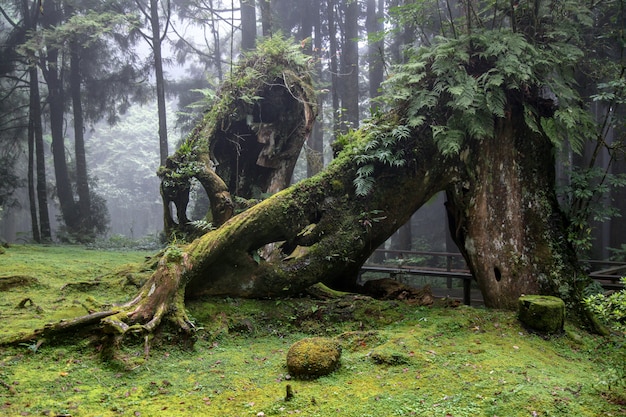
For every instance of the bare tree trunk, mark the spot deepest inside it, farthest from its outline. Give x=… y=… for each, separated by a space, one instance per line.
x=156 y=40
x=31 y=180
x=334 y=68
x=375 y=47
x=315 y=148
x=82 y=183
x=56 y=103
x=42 y=190
x=350 y=66
x=266 y=17
x=34 y=117
x=248 y=25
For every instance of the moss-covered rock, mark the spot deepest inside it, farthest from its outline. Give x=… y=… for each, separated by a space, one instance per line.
x=542 y=313
x=313 y=357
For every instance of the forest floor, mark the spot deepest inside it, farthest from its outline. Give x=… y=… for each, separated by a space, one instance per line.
x=397 y=360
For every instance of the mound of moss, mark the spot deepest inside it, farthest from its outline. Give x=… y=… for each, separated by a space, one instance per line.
x=313 y=357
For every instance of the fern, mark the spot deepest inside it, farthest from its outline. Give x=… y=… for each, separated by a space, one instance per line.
x=462 y=85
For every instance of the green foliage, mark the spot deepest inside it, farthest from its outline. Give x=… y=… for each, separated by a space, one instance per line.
x=121 y=242
x=462 y=85
x=611 y=309
x=584 y=199
x=471 y=80
x=618 y=254
x=203 y=225
x=275 y=57
x=379 y=147
x=173 y=253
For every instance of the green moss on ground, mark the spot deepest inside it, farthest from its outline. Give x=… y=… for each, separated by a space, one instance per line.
x=459 y=362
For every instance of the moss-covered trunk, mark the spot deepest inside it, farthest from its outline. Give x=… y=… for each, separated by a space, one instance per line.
x=508 y=222
x=315 y=231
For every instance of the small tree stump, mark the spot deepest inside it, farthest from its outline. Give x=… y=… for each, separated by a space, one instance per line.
x=313 y=357
x=542 y=313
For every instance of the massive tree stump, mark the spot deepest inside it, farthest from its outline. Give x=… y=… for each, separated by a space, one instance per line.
x=247 y=145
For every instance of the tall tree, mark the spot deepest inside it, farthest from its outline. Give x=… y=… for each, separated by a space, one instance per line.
x=53 y=69
x=333 y=47
x=375 y=47
x=468 y=115
x=248 y=24
x=349 y=77
x=315 y=149
x=82 y=183
x=153 y=12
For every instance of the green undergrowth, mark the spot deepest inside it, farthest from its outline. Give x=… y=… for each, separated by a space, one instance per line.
x=398 y=359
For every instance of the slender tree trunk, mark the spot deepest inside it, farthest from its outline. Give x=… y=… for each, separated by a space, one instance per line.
x=56 y=104
x=82 y=183
x=217 y=49
x=334 y=68
x=350 y=66
x=33 y=111
x=375 y=48
x=31 y=180
x=42 y=190
x=402 y=37
x=248 y=25
x=266 y=17
x=315 y=158
x=52 y=68
x=160 y=79
x=403 y=238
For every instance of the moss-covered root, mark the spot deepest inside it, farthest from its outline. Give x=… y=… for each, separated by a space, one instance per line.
x=161 y=298
x=51 y=330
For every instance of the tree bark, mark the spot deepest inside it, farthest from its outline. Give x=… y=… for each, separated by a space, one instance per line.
x=34 y=110
x=82 y=183
x=248 y=24
x=375 y=48
x=315 y=145
x=40 y=162
x=31 y=181
x=266 y=17
x=334 y=68
x=156 y=40
x=350 y=67
x=507 y=221
x=56 y=103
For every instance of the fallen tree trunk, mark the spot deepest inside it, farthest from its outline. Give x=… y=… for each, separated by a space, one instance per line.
x=318 y=230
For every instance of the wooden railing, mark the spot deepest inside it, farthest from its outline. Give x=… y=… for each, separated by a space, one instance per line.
x=452 y=266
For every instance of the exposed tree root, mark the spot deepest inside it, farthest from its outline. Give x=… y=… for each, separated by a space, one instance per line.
x=10 y=387
x=6 y=283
